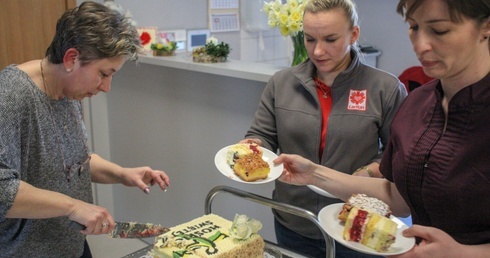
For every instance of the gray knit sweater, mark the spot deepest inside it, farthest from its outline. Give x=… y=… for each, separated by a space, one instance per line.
x=31 y=147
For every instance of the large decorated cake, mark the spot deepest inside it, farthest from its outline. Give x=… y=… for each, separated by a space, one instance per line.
x=212 y=236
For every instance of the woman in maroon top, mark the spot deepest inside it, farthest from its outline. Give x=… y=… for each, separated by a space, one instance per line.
x=437 y=163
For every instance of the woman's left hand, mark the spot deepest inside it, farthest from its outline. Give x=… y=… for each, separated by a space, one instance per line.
x=435 y=243
x=143 y=177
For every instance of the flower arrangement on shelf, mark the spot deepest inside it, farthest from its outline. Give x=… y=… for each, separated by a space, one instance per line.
x=288 y=17
x=212 y=52
x=164 y=47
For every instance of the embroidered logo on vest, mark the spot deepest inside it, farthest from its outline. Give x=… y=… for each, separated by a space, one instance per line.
x=357 y=100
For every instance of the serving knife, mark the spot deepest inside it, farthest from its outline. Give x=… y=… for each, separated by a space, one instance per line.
x=129 y=229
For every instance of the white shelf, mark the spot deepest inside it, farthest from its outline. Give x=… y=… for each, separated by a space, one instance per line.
x=232 y=68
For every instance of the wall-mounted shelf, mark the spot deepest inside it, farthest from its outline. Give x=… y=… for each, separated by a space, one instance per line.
x=232 y=68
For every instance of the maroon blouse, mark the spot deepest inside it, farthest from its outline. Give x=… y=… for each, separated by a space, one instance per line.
x=444 y=176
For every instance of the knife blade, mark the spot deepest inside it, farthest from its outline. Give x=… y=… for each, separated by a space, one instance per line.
x=129 y=229
x=137 y=230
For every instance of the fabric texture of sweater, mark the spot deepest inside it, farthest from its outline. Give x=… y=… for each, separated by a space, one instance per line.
x=30 y=150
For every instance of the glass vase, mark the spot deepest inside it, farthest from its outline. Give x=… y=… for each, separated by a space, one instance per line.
x=299 y=50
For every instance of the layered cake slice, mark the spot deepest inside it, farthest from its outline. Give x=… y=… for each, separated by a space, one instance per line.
x=370 y=229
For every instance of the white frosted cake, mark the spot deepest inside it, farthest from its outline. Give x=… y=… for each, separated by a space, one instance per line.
x=212 y=236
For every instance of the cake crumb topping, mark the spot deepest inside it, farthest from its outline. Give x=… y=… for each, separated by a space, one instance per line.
x=363 y=201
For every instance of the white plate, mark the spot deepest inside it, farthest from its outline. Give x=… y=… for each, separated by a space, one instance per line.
x=267 y=155
x=329 y=221
x=320 y=191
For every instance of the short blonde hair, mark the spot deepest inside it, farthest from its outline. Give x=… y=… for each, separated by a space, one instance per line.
x=349 y=8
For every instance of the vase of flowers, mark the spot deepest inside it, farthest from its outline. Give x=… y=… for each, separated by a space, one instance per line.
x=164 y=48
x=288 y=17
x=299 y=52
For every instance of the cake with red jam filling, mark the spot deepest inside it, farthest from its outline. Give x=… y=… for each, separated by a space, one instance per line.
x=364 y=202
x=370 y=229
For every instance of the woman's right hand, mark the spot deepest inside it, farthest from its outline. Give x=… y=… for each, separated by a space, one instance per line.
x=297 y=170
x=97 y=220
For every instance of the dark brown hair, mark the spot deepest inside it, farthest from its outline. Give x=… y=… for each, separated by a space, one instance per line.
x=477 y=10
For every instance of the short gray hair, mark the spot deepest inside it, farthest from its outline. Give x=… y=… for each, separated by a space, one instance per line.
x=96 y=32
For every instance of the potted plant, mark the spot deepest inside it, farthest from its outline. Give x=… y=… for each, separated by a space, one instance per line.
x=164 y=48
x=212 y=52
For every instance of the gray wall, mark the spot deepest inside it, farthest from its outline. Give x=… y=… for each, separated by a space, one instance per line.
x=381 y=26
x=177 y=120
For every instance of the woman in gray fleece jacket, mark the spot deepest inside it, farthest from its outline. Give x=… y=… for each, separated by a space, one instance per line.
x=332 y=109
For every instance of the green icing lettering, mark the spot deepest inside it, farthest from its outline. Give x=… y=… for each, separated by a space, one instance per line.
x=199 y=242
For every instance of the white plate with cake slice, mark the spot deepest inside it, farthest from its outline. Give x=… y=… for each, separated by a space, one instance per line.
x=267 y=155
x=328 y=217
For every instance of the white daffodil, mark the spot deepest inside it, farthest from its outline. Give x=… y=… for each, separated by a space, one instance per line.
x=212 y=40
x=287 y=17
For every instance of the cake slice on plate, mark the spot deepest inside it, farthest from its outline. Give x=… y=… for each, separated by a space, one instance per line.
x=370 y=229
x=240 y=150
x=251 y=168
x=364 y=202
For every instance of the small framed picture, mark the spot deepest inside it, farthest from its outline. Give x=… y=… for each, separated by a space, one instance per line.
x=196 y=38
x=147 y=36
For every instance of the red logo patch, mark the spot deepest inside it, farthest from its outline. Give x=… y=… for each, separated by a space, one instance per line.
x=357 y=100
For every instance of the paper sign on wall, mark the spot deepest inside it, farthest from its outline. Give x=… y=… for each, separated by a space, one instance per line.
x=221 y=22
x=223 y=4
x=223 y=15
